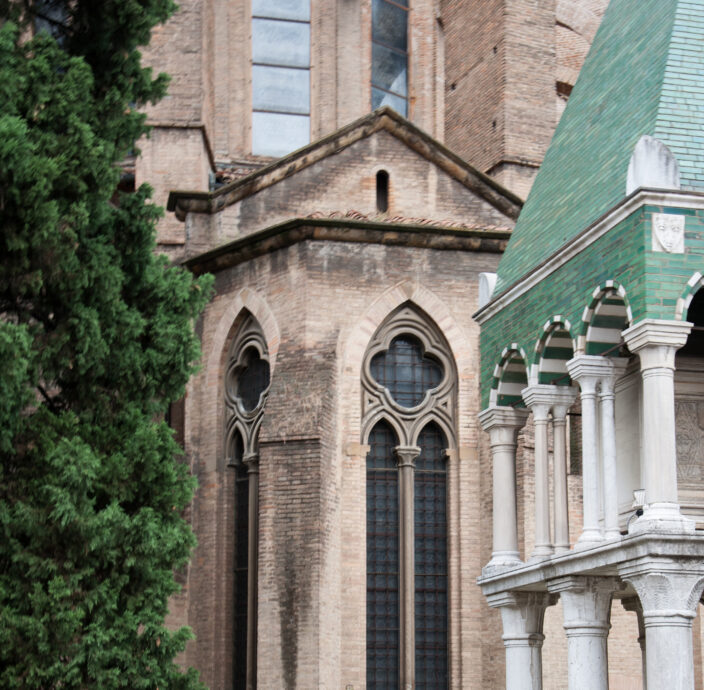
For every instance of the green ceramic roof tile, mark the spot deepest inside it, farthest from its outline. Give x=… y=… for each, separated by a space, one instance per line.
x=640 y=77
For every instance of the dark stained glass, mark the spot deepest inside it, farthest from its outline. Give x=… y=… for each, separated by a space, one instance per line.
x=430 y=524
x=252 y=380
x=239 y=659
x=405 y=371
x=382 y=560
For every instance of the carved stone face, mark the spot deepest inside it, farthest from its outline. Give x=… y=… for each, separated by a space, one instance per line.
x=668 y=233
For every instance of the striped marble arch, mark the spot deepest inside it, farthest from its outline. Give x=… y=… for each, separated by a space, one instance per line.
x=510 y=378
x=605 y=318
x=553 y=350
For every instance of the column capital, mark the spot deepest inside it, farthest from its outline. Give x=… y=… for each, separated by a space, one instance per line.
x=539 y=398
x=251 y=461
x=586 y=603
x=656 y=341
x=407 y=455
x=591 y=370
x=500 y=416
x=667 y=587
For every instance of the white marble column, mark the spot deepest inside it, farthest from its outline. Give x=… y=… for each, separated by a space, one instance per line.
x=586 y=606
x=503 y=425
x=563 y=398
x=538 y=399
x=669 y=591
x=406 y=456
x=633 y=604
x=614 y=367
x=586 y=370
x=522 y=615
x=656 y=342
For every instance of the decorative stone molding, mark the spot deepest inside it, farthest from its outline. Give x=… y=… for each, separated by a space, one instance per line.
x=503 y=425
x=239 y=419
x=656 y=341
x=438 y=403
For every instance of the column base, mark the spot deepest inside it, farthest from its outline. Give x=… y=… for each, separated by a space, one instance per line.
x=662 y=517
x=540 y=553
x=589 y=537
x=502 y=560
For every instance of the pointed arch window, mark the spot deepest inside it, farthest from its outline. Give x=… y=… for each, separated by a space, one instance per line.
x=247 y=381
x=409 y=388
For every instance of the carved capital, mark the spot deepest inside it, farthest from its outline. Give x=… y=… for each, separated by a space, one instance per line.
x=586 y=603
x=522 y=614
x=406 y=455
x=667 y=588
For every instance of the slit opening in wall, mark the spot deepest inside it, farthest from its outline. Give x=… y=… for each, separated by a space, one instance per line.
x=382 y=191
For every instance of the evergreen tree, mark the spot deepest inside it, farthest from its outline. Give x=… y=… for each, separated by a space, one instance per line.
x=96 y=339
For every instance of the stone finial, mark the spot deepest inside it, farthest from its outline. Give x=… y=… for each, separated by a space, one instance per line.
x=652 y=166
x=487 y=282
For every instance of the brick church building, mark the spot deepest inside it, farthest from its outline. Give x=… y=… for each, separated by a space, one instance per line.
x=351 y=172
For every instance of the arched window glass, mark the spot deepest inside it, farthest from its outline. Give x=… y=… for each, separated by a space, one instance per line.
x=390 y=54
x=430 y=521
x=382 y=558
x=247 y=380
x=409 y=383
x=405 y=371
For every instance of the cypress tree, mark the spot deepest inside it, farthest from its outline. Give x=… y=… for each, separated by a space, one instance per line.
x=96 y=340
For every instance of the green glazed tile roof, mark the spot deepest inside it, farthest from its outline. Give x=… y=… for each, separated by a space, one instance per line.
x=643 y=75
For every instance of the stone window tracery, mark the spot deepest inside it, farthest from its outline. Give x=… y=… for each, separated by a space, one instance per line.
x=247 y=379
x=408 y=408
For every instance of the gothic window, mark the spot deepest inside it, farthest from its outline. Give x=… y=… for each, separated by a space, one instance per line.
x=409 y=384
x=280 y=76
x=246 y=386
x=390 y=54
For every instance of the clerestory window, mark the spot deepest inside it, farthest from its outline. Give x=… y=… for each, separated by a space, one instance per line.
x=247 y=381
x=409 y=384
x=390 y=54
x=280 y=76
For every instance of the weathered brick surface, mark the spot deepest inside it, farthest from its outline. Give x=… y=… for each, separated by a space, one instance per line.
x=326 y=299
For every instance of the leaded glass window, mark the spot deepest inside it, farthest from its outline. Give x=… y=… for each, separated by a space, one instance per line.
x=252 y=380
x=390 y=54
x=430 y=522
x=280 y=76
x=247 y=380
x=405 y=371
x=382 y=560
x=409 y=383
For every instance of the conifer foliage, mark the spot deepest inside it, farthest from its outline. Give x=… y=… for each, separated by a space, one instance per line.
x=96 y=339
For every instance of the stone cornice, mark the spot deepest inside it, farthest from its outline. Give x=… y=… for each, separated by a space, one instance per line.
x=340 y=230
x=605 y=559
x=629 y=205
